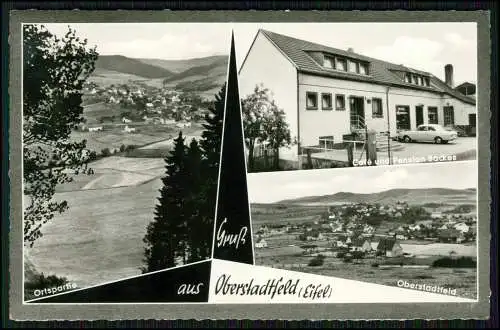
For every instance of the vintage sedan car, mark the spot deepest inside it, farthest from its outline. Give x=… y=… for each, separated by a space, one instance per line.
x=428 y=133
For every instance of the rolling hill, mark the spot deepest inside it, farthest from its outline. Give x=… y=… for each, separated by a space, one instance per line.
x=411 y=196
x=122 y=64
x=205 y=75
x=178 y=66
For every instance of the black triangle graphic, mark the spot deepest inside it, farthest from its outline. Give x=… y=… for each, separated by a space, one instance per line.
x=233 y=235
x=188 y=283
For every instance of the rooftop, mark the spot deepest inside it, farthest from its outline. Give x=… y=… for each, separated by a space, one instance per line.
x=299 y=52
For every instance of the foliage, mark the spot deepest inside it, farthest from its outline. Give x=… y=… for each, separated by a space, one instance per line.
x=182 y=228
x=105 y=152
x=264 y=123
x=40 y=282
x=317 y=261
x=165 y=235
x=54 y=71
x=450 y=262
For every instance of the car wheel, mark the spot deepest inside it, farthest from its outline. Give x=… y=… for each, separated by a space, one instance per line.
x=445 y=141
x=438 y=140
x=406 y=139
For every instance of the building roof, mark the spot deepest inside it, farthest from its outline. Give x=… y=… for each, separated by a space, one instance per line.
x=386 y=244
x=299 y=53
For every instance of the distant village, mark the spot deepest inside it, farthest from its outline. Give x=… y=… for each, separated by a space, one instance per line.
x=143 y=104
x=362 y=229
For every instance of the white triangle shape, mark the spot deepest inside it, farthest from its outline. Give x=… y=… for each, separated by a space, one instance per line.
x=238 y=283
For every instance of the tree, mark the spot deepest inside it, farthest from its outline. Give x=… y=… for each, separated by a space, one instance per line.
x=196 y=220
x=264 y=122
x=211 y=148
x=165 y=236
x=254 y=109
x=54 y=72
x=276 y=131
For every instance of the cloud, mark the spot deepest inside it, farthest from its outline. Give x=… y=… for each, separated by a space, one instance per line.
x=168 y=46
x=458 y=41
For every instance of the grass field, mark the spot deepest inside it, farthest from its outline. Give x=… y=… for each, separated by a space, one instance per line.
x=99 y=238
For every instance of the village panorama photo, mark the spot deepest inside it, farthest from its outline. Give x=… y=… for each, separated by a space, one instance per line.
x=330 y=95
x=122 y=127
x=391 y=225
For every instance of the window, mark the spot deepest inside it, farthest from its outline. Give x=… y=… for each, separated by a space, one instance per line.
x=328 y=62
x=341 y=64
x=423 y=128
x=352 y=66
x=420 y=81
x=431 y=128
x=339 y=102
x=407 y=78
x=363 y=68
x=377 y=108
x=432 y=115
x=312 y=101
x=413 y=79
x=426 y=80
x=326 y=101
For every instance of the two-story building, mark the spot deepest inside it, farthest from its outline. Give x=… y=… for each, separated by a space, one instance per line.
x=327 y=93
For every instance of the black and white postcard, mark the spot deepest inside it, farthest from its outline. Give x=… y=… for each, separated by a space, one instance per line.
x=181 y=165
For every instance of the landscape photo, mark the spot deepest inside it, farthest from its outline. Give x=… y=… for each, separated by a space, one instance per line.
x=122 y=126
x=334 y=95
x=413 y=224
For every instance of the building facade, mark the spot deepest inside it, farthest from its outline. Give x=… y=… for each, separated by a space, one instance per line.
x=328 y=93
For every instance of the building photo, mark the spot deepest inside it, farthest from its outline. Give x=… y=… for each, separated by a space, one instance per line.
x=342 y=107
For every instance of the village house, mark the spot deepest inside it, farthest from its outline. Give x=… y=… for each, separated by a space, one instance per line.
x=332 y=93
x=462 y=227
x=389 y=247
x=260 y=243
x=361 y=245
x=183 y=124
x=95 y=129
x=451 y=236
x=127 y=129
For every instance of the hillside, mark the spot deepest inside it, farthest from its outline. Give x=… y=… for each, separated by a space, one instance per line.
x=122 y=64
x=205 y=75
x=178 y=66
x=412 y=196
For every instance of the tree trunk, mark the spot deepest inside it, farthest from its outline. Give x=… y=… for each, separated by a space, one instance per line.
x=277 y=158
x=250 y=156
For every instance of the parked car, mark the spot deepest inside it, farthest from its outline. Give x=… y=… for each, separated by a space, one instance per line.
x=428 y=133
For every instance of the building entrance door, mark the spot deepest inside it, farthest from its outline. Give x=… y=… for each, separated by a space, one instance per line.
x=419 y=114
x=357 y=109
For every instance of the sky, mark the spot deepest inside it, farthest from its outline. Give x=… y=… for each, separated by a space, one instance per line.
x=272 y=187
x=424 y=46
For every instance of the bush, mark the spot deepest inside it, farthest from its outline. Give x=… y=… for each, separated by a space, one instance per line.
x=341 y=254
x=375 y=265
x=347 y=259
x=317 y=261
x=40 y=282
x=122 y=148
x=105 y=152
x=461 y=262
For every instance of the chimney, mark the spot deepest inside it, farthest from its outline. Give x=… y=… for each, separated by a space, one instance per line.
x=350 y=50
x=448 y=75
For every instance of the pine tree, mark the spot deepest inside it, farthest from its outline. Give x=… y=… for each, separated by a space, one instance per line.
x=211 y=148
x=165 y=237
x=195 y=220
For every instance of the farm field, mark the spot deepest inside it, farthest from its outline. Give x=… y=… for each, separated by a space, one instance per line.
x=463 y=280
x=99 y=238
